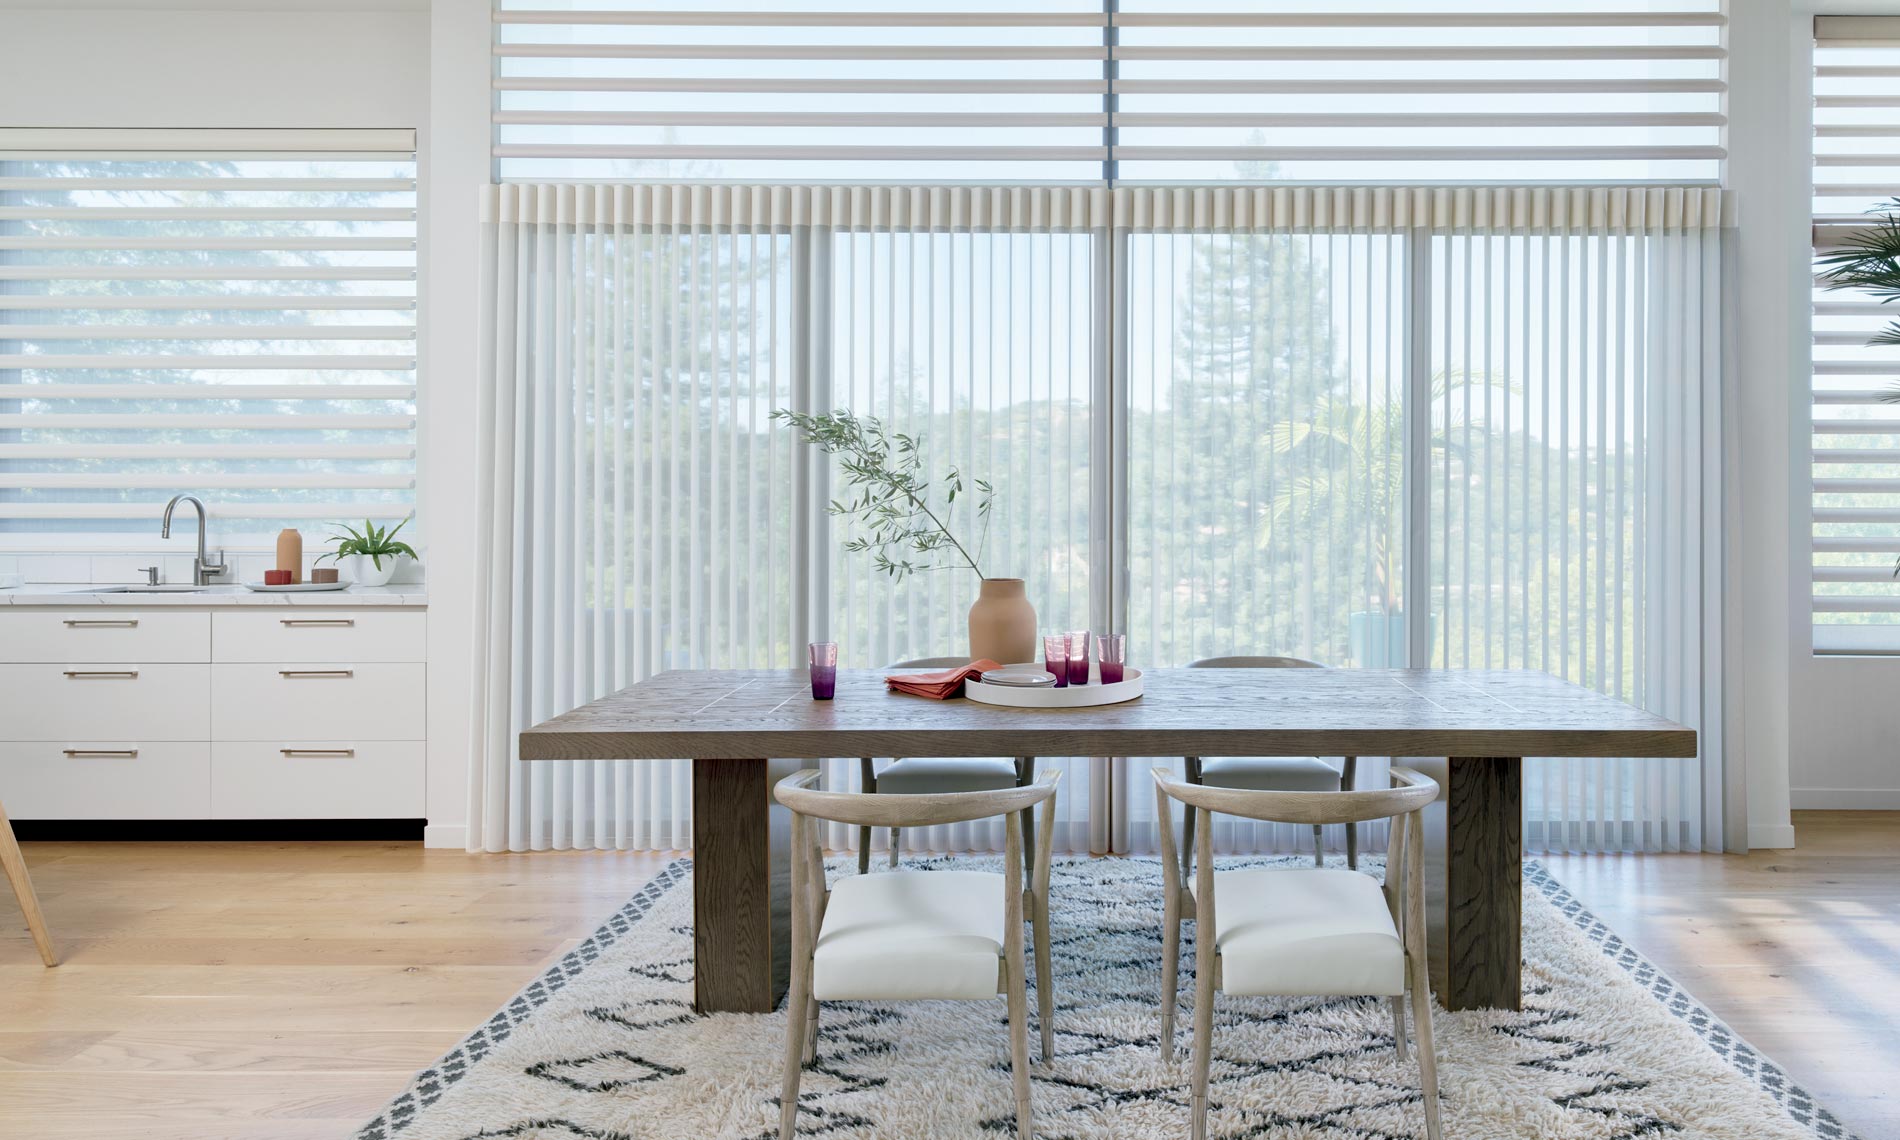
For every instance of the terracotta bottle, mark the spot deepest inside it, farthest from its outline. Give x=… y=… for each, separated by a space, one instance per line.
x=290 y=553
x=1003 y=623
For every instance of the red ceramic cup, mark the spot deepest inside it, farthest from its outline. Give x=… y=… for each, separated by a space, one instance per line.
x=277 y=577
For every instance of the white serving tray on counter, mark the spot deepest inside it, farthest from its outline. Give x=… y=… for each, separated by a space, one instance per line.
x=297 y=587
x=1050 y=697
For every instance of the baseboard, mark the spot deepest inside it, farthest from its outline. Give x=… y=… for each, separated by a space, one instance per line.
x=1770 y=835
x=1845 y=799
x=446 y=835
x=214 y=830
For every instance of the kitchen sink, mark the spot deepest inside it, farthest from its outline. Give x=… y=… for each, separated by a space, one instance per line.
x=178 y=588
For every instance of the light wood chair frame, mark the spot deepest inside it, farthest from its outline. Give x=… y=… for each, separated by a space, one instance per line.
x=1404 y=804
x=811 y=807
x=1348 y=776
x=14 y=865
x=867 y=777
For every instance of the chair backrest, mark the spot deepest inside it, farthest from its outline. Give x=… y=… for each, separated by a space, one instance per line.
x=800 y=793
x=1244 y=662
x=931 y=663
x=1411 y=791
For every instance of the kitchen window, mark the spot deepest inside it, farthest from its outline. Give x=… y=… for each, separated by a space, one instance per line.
x=226 y=312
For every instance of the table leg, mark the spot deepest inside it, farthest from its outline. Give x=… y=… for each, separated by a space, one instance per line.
x=1474 y=880
x=741 y=886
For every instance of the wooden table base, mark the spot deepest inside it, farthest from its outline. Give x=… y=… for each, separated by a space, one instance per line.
x=1474 y=881
x=742 y=904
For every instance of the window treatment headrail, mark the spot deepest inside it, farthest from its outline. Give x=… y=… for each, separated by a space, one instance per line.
x=1057 y=209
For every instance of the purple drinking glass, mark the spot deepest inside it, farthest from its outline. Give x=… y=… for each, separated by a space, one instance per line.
x=1079 y=657
x=1111 y=651
x=1055 y=657
x=824 y=670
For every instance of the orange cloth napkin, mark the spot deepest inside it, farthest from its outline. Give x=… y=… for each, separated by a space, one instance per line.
x=941 y=685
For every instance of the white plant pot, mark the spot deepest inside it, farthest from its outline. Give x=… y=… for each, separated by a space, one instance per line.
x=363 y=571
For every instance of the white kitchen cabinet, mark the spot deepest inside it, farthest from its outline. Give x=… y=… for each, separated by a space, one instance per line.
x=265 y=635
x=317 y=779
x=110 y=711
x=306 y=700
x=106 y=779
x=103 y=633
x=107 y=700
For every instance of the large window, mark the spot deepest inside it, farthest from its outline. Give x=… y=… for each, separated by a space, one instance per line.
x=1371 y=427
x=1856 y=426
x=1139 y=91
x=226 y=312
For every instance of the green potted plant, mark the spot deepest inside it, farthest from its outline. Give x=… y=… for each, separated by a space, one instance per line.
x=892 y=504
x=372 y=553
x=1868 y=261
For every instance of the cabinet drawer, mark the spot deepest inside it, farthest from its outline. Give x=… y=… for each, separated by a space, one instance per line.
x=106 y=700
x=97 y=780
x=104 y=633
x=318 y=634
x=317 y=700
x=317 y=779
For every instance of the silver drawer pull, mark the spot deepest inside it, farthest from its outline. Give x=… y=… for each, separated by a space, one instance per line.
x=317 y=751
x=316 y=621
x=121 y=623
x=316 y=672
x=102 y=672
x=99 y=751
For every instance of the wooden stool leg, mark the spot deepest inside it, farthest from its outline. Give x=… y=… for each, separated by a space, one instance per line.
x=867 y=776
x=15 y=866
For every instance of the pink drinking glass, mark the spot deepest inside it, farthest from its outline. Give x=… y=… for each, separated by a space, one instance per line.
x=1055 y=657
x=1111 y=650
x=1079 y=657
x=824 y=670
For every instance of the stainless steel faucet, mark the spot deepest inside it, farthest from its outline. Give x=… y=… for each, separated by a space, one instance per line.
x=201 y=570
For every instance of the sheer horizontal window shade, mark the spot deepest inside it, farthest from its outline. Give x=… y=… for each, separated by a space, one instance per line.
x=223 y=311
x=1066 y=91
x=1856 y=429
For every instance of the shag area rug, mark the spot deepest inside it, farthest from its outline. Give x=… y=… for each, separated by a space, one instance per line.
x=606 y=1046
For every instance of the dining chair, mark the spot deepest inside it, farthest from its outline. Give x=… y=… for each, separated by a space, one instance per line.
x=916 y=935
x=1273 y=773
x=927 y=775
x=14 y=864
x=1298 y=931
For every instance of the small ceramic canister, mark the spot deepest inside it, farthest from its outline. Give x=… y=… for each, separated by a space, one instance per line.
x=323 y=574
x=277 y=577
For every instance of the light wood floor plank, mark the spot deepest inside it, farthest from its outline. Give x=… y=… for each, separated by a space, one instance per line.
x=1798 y=951
x=270 y=991
x=200 y=976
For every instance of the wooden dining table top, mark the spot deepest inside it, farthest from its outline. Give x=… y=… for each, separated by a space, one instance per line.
x=744 y=713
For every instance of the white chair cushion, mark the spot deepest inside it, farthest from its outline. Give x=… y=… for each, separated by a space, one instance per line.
x=1271 y=773
x=1305 y=930
x=911 y=935
x=919 y=775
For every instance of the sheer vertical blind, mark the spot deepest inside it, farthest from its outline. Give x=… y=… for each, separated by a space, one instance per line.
x=1856 y=427
x=222 y=310
x=1203 y=410
x=1085 y=91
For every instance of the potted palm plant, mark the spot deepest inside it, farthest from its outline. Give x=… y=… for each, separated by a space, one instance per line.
x=1868 y=261
x=907 y=531
x=372 y=553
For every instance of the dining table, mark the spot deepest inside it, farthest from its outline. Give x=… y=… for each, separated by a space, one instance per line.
x=1470 y=730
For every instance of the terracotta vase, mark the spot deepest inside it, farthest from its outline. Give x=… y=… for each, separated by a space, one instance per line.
x=1003 y=623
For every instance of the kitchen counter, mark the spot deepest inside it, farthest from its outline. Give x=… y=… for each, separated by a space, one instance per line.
x=401 y=594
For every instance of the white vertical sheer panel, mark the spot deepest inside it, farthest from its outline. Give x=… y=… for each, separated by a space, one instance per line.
x=1575 y=486
x=635 y=514
x=1193 y=402
x=1265 y=435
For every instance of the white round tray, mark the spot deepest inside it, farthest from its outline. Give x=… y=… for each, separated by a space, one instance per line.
x=1050 y=697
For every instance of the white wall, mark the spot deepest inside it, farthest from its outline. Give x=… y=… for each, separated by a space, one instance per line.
x=70 y=66
x=1843 y=718
x=311 y=63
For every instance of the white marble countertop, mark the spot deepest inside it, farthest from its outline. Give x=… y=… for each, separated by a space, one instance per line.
x=402 y=594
